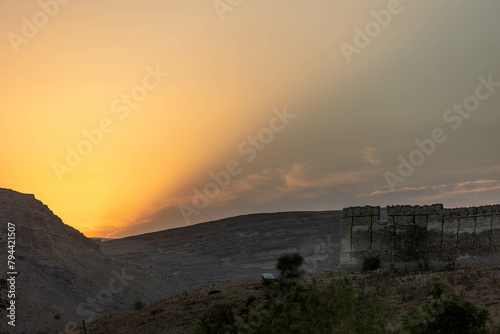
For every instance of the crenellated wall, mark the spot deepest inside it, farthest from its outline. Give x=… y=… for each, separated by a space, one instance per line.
x=421 y=237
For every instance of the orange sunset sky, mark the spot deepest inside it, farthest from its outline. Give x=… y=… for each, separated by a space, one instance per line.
x=118 y=114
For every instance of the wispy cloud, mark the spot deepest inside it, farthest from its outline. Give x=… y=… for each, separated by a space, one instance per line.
x=339 y=182
x=444 y=190
x=305 y=180
x=404 y=189
x=370 y=155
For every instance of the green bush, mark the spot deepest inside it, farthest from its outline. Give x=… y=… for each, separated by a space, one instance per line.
x=218 y=320
x=310 y=308
x=267 y=281
x=289 y=265
x=435 y=290
x=446 y=315
x=371 y=263
x=251 y=299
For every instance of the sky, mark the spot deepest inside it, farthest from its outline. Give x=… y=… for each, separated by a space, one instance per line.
x=127 y=117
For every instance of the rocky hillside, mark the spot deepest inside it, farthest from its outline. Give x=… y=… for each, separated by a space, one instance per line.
x=63 y=277
x=238 y=248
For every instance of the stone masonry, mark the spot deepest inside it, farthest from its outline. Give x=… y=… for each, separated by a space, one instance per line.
x=420 y=237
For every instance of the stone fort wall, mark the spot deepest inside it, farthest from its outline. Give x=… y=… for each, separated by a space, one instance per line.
x=421 y=237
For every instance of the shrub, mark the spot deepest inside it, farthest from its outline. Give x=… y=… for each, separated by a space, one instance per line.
x=435 y=290
x=251 y=299
x=311 y=308
x=446 y=315
x=289 y=265
x=267 y=281
x=371 y=263
x=218 y=320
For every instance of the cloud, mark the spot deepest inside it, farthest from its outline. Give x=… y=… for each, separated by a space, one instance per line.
x=323 y=184
x=443 y=190
x=370 y=155
x=305 y=180
x=383 y=192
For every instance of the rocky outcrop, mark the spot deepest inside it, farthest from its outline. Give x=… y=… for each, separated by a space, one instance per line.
x=62 y=276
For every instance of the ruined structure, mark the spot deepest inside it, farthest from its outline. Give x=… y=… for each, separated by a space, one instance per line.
x=421 y=237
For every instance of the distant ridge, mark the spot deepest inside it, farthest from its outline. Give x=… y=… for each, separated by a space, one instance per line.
x=235 y=248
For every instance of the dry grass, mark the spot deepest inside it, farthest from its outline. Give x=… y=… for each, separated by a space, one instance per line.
x=180 y=314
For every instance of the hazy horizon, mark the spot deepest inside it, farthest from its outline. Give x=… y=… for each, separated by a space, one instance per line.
x=118 y=115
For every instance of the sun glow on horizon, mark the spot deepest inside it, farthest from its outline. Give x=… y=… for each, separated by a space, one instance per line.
x=113 y=113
